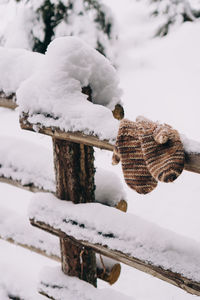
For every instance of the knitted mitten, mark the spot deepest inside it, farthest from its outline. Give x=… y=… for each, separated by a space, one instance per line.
x=128 y=150
x=162 y=149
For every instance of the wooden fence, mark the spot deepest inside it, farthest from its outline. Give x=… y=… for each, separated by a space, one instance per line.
x=74 y=167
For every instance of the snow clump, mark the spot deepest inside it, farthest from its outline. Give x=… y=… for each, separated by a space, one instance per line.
x=55 y=90
x=16 y=65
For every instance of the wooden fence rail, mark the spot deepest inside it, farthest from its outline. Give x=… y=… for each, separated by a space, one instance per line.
x=26 y=236
x=73 y=162
x=192 y=159
x=115 y=244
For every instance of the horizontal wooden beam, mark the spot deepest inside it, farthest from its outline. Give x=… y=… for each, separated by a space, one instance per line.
x=106 y=272
x=15 y=229
x=76 y=137
x=192 y=162
x=192 y=159
x=8 y=101
x=29 y=238
x=121 y=204
x=18 y=184
x=31 y=248
x=169 y=276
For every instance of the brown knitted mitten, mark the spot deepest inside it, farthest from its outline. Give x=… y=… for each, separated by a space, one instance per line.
x=162 y=149
x=128 y=150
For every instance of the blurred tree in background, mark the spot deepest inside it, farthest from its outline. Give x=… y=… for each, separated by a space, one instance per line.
x=33 y=24
x=172 y=13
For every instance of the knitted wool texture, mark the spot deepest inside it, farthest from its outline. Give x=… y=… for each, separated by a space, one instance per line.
x=162 y=150
x=128 y=150
x=148 y=152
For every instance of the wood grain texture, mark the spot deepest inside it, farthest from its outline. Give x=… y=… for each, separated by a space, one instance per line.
x=18 y=184
x=32 y=248
x=8 y=101
x=74 y=170
x=174 y=278
x=108 y=271
x=76 y=137
x=108 y=274
x=78 y=260
x=192 y=160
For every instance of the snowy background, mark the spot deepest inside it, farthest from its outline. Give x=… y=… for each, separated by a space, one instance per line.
x=160 y=80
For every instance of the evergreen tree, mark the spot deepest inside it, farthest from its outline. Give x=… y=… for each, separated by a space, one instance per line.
x=40 y=21
x=174 y=12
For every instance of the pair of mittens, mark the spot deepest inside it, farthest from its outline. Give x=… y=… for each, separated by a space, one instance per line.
x=128 y=151
x=148 y=152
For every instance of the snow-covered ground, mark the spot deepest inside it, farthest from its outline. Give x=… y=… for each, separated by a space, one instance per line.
x=160 y=79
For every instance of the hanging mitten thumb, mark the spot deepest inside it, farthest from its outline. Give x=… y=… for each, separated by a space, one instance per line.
x=128 y=151
x=162 y=149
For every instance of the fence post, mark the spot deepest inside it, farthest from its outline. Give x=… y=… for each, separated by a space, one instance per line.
x=74 y=169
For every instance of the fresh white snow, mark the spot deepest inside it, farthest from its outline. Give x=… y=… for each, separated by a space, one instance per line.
x=27 y=162
x=70 y=64
x=160 y=80
x=20 y=276
x=145 y=240
x=73 y=288
x=16 y=227
x=55 y=81
x=21 y=23
x=30 y=163
x=16 y=65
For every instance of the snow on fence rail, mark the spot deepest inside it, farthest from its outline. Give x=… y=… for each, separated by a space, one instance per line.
x=8 y=101
x=174 y=272
x=55 y=285
x=148 y=248
x=71 y=74
x=15 y=229
x=192 y=148
x=22 y=164
x=123 y=237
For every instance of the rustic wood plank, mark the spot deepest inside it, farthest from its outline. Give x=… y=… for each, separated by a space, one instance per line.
x=121 y=205
x=192 y=159
x=32 y=248
x=27 y=237
x=78 y=260
x=76 y=137
x=118 y=112
x=74 y=169
x=107 y=269
x=173 y=278
x=108 y=273
x=15 y=229
x=18 y=184
x=123 y=237
x=192 y=162
x=8 y=101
